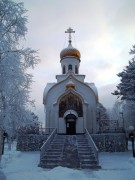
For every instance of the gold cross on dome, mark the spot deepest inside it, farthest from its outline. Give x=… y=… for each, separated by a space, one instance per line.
x=69 y=30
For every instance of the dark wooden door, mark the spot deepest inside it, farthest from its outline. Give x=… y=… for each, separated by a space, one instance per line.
x=71 y=126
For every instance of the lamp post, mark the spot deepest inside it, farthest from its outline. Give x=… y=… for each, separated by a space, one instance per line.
x=131 y=136
x=3 y=136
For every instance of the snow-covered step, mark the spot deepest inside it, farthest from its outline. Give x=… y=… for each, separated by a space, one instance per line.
x=88 y=161
x=52 y=155
x=86 y=154
x=84 y=148
x=54 y=149
x=51 y=160
x=60 y=153
x=49 y=165
x=88 y=166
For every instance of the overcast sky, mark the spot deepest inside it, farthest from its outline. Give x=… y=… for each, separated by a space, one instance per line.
x=105 y=33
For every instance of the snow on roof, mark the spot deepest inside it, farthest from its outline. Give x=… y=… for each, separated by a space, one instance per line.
x=47 y=88
x=93 y=87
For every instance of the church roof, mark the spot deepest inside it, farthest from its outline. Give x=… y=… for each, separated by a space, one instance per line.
x=50 y=86
x=47 y=88
x=93 y=87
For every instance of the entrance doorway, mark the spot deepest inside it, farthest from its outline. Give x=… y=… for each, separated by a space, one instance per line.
x=70 y=124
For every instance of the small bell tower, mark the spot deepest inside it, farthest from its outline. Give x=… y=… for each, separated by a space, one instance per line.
x=70 y=56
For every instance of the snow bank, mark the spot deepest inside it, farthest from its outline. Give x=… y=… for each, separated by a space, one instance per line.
x=2 y=176
x=23 y=166
x=132 y=161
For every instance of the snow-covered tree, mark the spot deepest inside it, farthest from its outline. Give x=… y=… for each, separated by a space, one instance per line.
x=115 y=111
x=122 y=115
x=102 y=117
x=116 y=116
x=30 y=124
x=15 y=81
x=128 y=114
x=126 y=88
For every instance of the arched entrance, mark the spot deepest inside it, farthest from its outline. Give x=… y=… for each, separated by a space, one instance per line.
x=70 y=124
x=70 y=111
x=70 y=102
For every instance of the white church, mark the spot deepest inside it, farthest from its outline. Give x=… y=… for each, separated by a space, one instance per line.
x=72 y=128
x=70 y=103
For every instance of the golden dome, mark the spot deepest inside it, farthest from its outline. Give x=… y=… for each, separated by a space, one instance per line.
x=70 y=51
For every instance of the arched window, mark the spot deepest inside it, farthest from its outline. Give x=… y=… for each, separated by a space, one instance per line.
x=64 y=70
x=76 y=69
x=69 y=67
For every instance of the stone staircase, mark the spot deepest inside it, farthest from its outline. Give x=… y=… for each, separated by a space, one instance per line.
x=86 y=154
x=64 y=150
x=52 y=156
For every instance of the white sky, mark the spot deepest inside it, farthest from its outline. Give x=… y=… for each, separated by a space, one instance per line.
x=105 y=32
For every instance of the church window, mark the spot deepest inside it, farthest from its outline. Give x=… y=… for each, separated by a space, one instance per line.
x=68 y=102
x=64 y=70
x=70 y=67
x=76 y=69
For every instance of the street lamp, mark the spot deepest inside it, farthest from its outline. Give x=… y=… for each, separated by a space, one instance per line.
x=131 y=136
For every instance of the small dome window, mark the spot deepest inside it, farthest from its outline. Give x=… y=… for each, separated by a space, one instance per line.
x=70 y=67
x=64 y=70
x=76 y=69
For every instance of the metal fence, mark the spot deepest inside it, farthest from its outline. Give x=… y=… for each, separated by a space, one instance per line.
x=110 y=126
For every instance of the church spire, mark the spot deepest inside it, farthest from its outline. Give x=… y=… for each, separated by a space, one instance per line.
x=69 y=30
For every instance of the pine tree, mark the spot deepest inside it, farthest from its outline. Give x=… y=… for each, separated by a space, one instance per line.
x=126 y=88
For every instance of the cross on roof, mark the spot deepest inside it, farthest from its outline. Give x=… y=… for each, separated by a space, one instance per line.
x=69 y=30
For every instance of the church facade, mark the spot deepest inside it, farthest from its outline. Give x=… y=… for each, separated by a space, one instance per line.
x=71 y=106
x=70 y=103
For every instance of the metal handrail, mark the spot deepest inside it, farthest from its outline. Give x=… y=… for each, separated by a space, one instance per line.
x=92 y=144
x=47 y=143
x=46 y=130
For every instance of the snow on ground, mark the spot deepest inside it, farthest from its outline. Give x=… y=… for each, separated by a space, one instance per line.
x=23 y=166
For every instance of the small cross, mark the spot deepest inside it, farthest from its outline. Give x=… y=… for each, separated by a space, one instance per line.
x=69 y=30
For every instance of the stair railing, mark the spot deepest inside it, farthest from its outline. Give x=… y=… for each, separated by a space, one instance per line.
x=47 y=143
x=92 y=144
